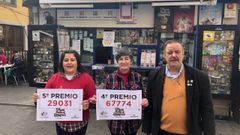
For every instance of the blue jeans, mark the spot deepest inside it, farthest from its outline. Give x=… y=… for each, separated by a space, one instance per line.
x=82 y=131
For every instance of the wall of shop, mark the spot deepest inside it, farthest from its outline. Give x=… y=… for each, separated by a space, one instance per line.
x=143 y=17
x=13 y=21
x=14 y=15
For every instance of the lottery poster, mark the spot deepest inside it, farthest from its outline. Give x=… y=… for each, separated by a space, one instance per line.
x=59 y=105
x=118 y=104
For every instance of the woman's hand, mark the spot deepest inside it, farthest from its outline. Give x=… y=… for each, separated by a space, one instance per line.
x=35 y=97
x=144 y=102
x=93 y=99
x=85 y=104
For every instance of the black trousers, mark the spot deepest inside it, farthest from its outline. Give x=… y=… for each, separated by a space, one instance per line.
x=126 y=129
x=162 y=132
x=82 y=131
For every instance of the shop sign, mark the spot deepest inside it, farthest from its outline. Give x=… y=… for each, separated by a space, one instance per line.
x=118 y=104
x=88 y=14
x=59 y=105
x=126 y=13
x=35 y=36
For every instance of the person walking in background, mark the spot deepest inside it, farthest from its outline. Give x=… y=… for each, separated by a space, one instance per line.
x=17 y=59
x=72 y=76
x=179 y=98
x=48 y=17
x=3 y=60
x=3 y=57
x=124 y=79
x=18 y=63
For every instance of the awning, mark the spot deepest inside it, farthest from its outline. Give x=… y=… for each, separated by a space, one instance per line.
x=90 y=3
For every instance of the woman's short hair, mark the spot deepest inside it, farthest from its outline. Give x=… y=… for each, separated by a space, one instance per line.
x=77 y=56
x=124 y=51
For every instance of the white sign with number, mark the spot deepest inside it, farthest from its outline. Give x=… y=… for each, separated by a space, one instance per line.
x=59 y=105
x=118 y=104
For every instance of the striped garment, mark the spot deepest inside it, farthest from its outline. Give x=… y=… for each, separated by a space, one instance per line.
x=72 y=127
x=134 y=82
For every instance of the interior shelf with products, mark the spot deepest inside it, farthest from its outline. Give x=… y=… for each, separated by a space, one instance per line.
x=88 y=42
x=82 y=40
x=148 y=58
x=217 y=53
x=43 y=56
x=142 y=43
x=102 y=70
x=135 y=36
x=44 y=44
x=216 y=60
x=135 y=39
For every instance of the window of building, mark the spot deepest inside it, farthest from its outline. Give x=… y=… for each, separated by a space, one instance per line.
x=11 y=37
x=8 y=2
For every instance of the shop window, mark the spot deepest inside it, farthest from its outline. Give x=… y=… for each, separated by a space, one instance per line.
x=11 y=39
x=1 y=33
x=8 y=2
x=102 y=58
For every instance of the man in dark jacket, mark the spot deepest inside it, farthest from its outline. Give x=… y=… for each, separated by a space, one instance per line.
x=179 y=98
x=48 y=17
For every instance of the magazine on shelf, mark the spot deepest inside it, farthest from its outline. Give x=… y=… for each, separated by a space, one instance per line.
x=210 y=15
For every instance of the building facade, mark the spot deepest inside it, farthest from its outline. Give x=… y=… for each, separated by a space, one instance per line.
x=13 y=21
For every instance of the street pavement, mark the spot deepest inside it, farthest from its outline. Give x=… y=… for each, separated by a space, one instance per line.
x=18 y=116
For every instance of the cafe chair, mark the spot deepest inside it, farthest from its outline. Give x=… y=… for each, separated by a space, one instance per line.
x=16 y=73
x=19 y=73
x=1 y=76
